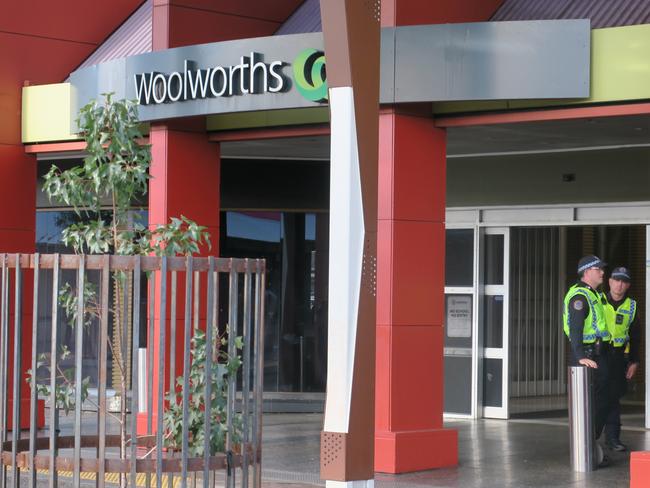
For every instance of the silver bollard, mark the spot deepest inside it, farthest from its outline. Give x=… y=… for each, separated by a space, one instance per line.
x=581 y=427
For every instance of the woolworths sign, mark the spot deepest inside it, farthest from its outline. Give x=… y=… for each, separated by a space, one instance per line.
x=253 y=75
x=289 y=71
x=245 y=75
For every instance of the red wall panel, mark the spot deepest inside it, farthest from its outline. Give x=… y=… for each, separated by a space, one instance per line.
x=414 y=12
x=417 y=273
x=73 y=20
x=276 y=11
x=191 y=26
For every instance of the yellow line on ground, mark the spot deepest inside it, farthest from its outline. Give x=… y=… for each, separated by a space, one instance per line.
x=111 y=478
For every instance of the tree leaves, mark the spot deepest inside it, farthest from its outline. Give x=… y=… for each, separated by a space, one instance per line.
x=115 y=175
x=222 y=371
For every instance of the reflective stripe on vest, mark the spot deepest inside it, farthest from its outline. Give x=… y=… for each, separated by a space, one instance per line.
x=595 y=325
x=620 y=332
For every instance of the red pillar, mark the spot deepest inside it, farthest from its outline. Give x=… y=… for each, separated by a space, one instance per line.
x=18 y=235
x=409 y=435
x=410 y=268
x=185 y=171
x=639 y=469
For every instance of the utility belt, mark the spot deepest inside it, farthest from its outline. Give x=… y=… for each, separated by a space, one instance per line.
x=598 y=348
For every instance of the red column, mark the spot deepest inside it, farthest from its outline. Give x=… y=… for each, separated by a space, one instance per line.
x=639 y=469
x=410 y=260
x=410 y=268
x=185 y=166
x=17 y=235
x=185 y=171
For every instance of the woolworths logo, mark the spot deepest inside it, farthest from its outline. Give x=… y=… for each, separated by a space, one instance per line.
x=253 y=75
x=309 y=75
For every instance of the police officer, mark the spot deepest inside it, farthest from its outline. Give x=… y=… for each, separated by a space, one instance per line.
x=586 y=326
x=620 y=311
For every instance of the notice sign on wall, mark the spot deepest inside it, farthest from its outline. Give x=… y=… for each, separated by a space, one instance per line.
x=459 y=316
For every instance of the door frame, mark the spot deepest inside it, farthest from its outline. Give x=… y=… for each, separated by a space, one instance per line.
x=501 y=353
x=469 y=290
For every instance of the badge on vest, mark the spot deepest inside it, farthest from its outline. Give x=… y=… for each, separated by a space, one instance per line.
x=578 y=304
x=619 y=318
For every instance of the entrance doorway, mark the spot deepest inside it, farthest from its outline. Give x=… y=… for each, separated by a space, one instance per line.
x=505 y=352
x=543 y=262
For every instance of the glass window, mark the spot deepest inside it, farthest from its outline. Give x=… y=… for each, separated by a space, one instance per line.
x=49 y=228
x=458 y=385
x=492 y=384
x=459 y=257
x=493 y=320
x=295 y=246
x=493 y=259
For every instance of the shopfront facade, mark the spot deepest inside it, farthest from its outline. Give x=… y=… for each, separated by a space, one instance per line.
x=483 y=206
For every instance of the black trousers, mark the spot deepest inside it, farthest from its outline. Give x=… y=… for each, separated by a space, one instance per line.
x=603 y=394
x=618 y=386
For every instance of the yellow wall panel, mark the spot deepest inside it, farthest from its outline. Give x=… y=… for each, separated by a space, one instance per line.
x=46 y=113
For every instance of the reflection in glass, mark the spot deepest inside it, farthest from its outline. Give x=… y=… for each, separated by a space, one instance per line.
x=458 y=385
x=459 y=257
x=492 y=384
x=493 y=321
x=295 y=248
x=49 y=228
x=493 y=259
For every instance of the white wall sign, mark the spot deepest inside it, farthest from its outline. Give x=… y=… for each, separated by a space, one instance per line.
x=459 y=316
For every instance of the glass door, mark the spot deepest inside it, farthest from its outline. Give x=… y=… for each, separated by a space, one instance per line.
x=493 y=321
x=459 y=325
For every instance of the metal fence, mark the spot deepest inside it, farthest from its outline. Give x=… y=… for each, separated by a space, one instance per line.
x=222 y=297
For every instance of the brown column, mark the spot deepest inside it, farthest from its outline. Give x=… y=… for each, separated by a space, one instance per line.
x=351 y=35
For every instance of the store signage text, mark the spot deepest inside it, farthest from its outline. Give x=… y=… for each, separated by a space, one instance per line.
x=251 y=76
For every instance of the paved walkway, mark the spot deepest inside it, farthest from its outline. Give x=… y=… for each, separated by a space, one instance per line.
x=518 y=453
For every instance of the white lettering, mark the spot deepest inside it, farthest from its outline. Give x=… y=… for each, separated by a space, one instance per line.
x=143 y=88
x=255 y=85
x=159 y=88
x=224 y=85
x=276 y=72
x=175 y=82
x=251 y=75
x=242 y=75
x=231 y=78
x=199 y=83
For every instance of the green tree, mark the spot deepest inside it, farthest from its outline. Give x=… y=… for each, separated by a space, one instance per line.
x=114 y=174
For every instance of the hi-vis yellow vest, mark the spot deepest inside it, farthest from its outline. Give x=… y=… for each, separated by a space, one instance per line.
x=619 y=320
x=595 y=325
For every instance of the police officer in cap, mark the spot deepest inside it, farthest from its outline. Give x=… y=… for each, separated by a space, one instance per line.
x=620 y=311
x=586 y=326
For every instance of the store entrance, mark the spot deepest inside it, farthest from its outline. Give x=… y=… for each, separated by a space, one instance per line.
x=542 y=267
x=505 y=352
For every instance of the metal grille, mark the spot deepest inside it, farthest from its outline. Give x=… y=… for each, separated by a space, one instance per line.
x=91 y=448
x=537 y=342
x=602 y=13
